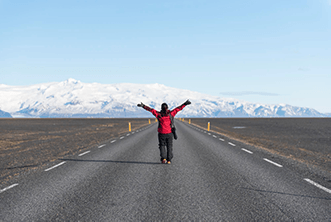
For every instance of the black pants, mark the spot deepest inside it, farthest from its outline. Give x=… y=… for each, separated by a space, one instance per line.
x=165 y=146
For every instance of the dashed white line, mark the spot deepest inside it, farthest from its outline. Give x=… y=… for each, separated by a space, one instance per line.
x=101 y=146
x=232 y=144
x=128 y=134
x=209 y=134
x=276 y=164
x=221 y=139
x=55 y=166
x=122 y=137
x=82 y=154
x=214 y=136
x=113 y=141
x=247 y=151
x=317 y=185
x=7 y=188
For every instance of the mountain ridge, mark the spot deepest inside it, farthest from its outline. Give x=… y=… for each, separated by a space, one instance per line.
x=72 y=98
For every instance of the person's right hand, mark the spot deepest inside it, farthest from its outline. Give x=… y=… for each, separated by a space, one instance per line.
x=140 y=105
x=188 y=102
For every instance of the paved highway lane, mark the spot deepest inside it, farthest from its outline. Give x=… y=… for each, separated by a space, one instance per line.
x=210 y=179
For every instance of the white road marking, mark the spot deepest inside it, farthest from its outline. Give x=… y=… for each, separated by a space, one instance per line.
x=239 y=127
x=209 y=134
x=132 y=132
x=214 y=136
x=247 y=151
x=101 y=146
x=276 y=164
x=55 y=166
x=128 y=134
x=122 y=137
x=231 y=144
x=113 y=141
x=317 y=185
x=82 y=154
x=7 y=188
x=221 y=139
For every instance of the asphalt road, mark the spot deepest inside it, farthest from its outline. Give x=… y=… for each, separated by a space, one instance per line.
x=210 y=179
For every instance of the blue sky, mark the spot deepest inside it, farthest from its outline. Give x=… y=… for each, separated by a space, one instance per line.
x=259 y=51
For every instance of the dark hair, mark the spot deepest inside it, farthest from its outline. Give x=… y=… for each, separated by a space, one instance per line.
x=164 y=107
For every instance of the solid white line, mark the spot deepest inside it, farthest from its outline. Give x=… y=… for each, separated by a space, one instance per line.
x=247 y=151
x=102 y=146
x=55 y=166
x=122 y=137
x=221 y=139
x=317 y=185
x=7 y=188
x=276 y=164
x=214 y=136
x=113 y=141
x=231 y=144
x=82 y=154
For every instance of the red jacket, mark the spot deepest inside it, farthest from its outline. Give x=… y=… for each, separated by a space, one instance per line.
x=164 y=120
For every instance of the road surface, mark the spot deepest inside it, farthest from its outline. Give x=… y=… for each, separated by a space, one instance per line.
x=210 y=179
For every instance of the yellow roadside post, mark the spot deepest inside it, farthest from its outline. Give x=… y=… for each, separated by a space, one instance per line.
x=189 y=121
x=208 y=126
x=149 y=121
x=129 y=127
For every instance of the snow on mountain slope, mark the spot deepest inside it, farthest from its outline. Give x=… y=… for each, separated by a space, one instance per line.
x=4 y=114
x=72 y=98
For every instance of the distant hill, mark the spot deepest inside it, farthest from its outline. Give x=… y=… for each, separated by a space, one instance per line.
x=72 y=98
x=4 y=114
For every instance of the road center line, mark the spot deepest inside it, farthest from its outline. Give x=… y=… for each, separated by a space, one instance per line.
x=221 y=139
x=7 y=188
x=113 y=141
x=55 y=166
x=122 y=137
x=317 y=185
x=214 y=136
x=276 y=164
x=247 y=151
x=128 y=134
x=231 y=144
x=102 y=146
x=82 y=154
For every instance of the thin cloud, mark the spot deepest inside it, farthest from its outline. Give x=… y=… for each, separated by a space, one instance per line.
x=248 y=93
x=304 y=69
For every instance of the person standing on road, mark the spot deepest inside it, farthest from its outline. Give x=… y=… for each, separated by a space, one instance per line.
x=165 y=118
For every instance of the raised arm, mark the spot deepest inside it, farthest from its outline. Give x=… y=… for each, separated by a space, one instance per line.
x=179 y=108
x=153 y=111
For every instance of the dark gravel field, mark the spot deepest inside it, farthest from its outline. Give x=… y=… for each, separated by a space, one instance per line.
x=26 y=144
x=307 y=140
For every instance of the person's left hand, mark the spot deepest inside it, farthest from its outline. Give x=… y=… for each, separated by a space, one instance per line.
x=140 y=105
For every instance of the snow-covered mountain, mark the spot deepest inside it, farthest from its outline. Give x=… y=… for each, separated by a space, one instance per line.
x=72 y=98
x=4 y=114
